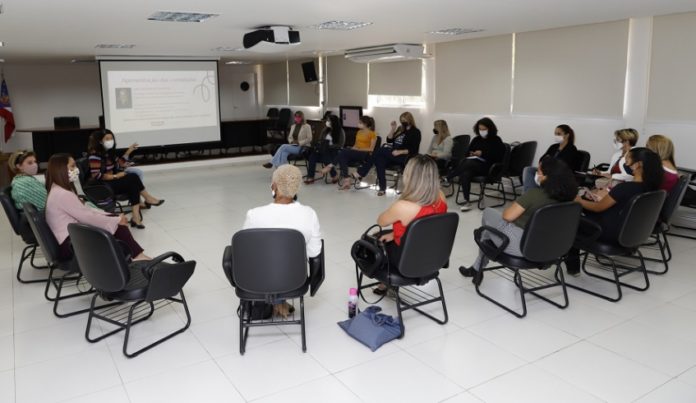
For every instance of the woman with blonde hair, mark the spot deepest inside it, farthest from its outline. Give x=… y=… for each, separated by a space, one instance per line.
x=624 y=141
x=403 y=142
x=421 y=197
x=441 y=145
x=662 y=146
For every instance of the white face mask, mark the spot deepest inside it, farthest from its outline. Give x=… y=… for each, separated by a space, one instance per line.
x=558 y=139
x=108 y=144
x=328 y=124
x=618 y=145
x=483 y=133
x=74 y=175
x=32 y=169
x=537 y=179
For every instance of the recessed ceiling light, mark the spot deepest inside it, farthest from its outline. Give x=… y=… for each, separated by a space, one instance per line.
x=237 y=62
x=114 y=46
x=455 y=31
x=176 y=16
x=341 y=25
x=227 y=49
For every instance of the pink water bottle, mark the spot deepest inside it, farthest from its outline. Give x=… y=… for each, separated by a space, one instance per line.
x=352 y=302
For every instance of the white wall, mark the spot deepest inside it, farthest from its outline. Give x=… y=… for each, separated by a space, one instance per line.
x=39 y=92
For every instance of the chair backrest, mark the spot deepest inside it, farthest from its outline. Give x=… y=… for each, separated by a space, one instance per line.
x=269 y=260
x=427 y=244
x=284 y=118
x=378 y=144
x=640 y=218
x=550 y=232
x=43 y=234
x=100 y=257
x=85 y=170
x=582 y=163
x=674 y=199
x=66 y=122
x=272 y=113
x=498 y=169
x=13 y=215
x=521 y=157
x=460 y=147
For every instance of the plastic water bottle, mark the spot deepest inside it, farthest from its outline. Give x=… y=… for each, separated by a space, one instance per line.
x=352 y=302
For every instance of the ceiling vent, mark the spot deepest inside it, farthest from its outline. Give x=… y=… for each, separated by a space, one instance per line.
x=386 y=53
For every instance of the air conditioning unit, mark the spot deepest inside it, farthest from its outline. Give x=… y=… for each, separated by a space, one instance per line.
x=386 y=53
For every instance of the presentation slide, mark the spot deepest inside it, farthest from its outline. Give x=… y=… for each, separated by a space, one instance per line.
x=161 y=102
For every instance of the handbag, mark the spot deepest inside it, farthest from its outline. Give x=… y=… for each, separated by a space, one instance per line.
x=372 y=328
x=369 y=253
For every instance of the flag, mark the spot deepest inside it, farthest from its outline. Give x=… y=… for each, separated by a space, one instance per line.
x=6 y=110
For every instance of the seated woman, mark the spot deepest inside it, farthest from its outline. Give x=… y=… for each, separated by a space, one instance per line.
x=106 y=167
x=403 y=143
x=285 y=212
x=364 y=144
x=485 y=150
x=563 y=149
x=63 y=207
x=441 y=145
x=624 y=141
x=421 y=197
x=662 y=146
x=557 y=184
x=331 y=140
x=25 y=187
x=300 y=135
x=608 y=212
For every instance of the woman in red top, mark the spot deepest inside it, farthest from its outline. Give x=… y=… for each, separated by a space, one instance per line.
x=421 y=197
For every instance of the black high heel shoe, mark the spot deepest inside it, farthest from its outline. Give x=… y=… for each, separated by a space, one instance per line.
x=159 y=203
x=134 y=224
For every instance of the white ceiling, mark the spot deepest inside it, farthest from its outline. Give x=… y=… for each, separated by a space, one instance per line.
x=50 y=30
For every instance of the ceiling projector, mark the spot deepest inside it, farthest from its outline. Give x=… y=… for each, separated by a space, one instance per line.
x=271 y=39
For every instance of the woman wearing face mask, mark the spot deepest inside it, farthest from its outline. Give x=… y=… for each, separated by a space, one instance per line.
x=63 y=207
x=485 y=150
x=563 y=149
x=365 y=140
x=25 y=187
x=609 y=211
x=300 y=135
x=403 y=142
x=557 y=185
x=624 y=141
x=106 y=167
x=441 y=145
x=331 y=140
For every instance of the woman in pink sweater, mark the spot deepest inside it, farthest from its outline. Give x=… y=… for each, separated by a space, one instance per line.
x=63 y=207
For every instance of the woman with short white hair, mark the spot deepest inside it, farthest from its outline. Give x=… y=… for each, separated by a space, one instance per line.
x=286 y=212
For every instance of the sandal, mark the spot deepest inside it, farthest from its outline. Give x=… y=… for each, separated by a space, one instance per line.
x=345 y=185
x=381 y=193
x=309 y=181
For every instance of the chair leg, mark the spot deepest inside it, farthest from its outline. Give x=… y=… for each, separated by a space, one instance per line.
x=615 y=280
x=518 y=282
x=28 y=253
x=302 y=325
x=400 y=306
x=33 y=257
x=398 y=310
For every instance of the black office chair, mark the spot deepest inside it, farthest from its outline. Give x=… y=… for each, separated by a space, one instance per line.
x=426 y=247
x=99 y=193
x=277 y=132
x=257 y=275
x=301 y=159
x=636 y=228
x=272 y=113
x=546 y=240
x=494 y=177
x=106 y=267
x=521 y=156
x=66 y=122
x=460 y=149
x=62 y=273
x=21 y=228
x=582 y=161
x=662 y=228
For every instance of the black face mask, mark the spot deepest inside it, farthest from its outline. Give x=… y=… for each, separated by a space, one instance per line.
x=628 y=169
x=404 y=125
x=435 y=131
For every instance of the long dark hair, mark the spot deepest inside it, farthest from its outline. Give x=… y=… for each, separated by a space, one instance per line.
x=560 y=183
x=368 y=122
x=653 y=173
x=569 y=131
x=335 y=129
x=57 y=172
x=95 y=146
x=492 y=129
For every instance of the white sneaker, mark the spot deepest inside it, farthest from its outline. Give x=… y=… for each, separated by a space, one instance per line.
x=465 y=207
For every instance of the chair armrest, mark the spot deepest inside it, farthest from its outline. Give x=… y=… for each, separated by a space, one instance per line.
x=486 y=248
x=317 y=271
x=168 y=279
x=495 y=171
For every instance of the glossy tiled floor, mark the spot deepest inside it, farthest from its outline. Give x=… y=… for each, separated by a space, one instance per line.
x=641 y=349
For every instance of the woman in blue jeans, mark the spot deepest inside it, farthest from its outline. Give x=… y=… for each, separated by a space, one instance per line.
x=300 y=135
x=403 y=142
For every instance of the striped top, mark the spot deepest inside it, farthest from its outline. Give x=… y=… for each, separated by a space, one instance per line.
x=98 y=165
x=28 y=189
